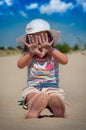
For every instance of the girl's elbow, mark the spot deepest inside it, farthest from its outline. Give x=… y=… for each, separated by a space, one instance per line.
x=65 y=61
x=19 y=65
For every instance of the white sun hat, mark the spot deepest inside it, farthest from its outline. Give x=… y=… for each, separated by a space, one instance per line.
x=38 y=25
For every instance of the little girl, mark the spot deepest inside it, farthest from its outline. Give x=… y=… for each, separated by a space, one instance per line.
x=42 y=61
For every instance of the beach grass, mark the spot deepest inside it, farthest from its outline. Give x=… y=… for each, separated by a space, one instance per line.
x=8 y=52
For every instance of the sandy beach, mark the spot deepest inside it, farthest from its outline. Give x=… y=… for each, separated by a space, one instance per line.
x=72 y=80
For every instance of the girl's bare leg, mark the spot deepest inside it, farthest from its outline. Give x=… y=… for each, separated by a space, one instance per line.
x=56 y=105
x=28 y=98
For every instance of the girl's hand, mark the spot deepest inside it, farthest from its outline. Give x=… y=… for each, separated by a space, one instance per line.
x=33 y=49
x=33 y=45
x=39 y=44
x=46 y=45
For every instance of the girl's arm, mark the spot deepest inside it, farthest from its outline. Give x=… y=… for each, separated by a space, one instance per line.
x=59 y=56
x=24 y=60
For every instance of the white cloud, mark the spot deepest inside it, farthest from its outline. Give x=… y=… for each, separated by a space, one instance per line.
x=8 y=2
x=82 y=3
x=23 y=13
x=32 y=6
x=55 y=6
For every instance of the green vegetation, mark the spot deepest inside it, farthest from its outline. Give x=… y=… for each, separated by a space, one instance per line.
x=65 y=48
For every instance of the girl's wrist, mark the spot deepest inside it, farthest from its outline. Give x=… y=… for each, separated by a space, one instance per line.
x=51 y=49
x=28 y=55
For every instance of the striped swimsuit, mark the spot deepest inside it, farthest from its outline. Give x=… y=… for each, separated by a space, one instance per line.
x=43 y=74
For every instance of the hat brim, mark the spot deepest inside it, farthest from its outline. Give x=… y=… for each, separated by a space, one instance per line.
x=55 y=34
x=21 y=40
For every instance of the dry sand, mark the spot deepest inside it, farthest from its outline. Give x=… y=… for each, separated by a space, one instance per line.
x=72 y=80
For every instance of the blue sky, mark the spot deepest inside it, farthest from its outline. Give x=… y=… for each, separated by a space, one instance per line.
x=67 y=16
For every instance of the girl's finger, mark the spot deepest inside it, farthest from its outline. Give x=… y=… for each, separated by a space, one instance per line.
x=36 y=39
x=38 y=52
x=46 y=37
x=27 y=44
x=52 y=42
x=39 y=39
x=29 y=37
x=32 y=39
x=42 y=37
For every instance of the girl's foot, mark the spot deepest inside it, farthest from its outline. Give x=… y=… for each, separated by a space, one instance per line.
x=36 y=105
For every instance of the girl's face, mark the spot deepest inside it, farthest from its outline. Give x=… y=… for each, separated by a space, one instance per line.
x=39 y=38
